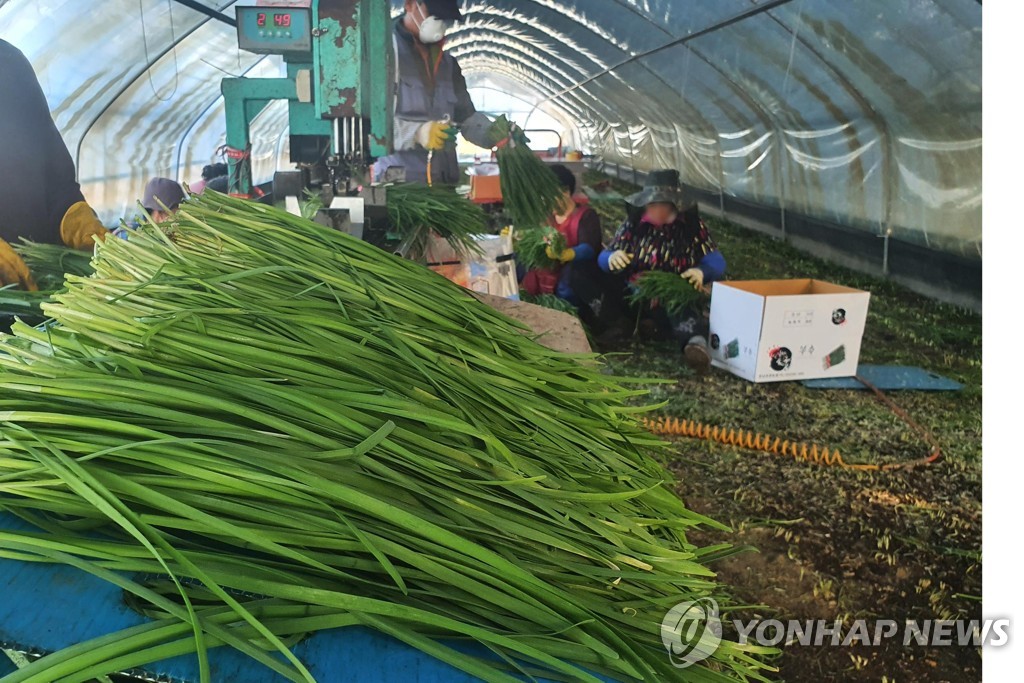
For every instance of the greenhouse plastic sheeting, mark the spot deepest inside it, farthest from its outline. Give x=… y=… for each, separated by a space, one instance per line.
x=866 y=114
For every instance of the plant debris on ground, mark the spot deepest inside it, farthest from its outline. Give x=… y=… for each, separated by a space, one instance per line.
x=838 y=544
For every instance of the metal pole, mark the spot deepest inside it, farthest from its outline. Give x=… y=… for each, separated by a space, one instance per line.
x=885 y=255
x=208 y=11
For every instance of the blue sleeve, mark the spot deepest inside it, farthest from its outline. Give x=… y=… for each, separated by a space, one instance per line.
x=713 y=266
x=584 y=252
x=617 y=243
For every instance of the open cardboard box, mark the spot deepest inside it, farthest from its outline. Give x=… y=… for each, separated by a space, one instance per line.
x=776 y=330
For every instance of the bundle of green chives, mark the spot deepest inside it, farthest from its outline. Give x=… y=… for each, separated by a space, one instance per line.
x=363 y=441
x=417 y=211
x=666 y=289
x=532 y=247
x=529 y=188
x=48 y=264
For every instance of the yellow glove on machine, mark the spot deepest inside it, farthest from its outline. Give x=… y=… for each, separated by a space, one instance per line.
x=13 y=270
x=80 y=225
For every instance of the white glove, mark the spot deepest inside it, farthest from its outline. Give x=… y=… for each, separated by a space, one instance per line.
x=695 y=276
x=619 y=260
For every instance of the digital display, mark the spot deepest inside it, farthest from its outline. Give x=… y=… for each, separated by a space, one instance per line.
x=280 y=20
x=273 y=30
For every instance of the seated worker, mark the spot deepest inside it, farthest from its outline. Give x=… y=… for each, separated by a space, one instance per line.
x=42 y=200
x=210 y=171
x=578 y=280
x=162 y=197
x=666 y=233
x=161 y=200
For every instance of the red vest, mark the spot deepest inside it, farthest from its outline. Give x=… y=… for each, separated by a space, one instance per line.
x=544 y=280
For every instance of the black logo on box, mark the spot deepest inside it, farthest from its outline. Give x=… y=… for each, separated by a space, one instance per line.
x=839 y=316
x=781 y=357
x=716 y=342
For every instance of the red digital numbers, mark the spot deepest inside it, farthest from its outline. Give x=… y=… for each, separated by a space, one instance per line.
x=261 y=19
x=283 y=20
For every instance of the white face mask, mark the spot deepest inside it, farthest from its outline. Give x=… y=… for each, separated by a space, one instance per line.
x=431 y=28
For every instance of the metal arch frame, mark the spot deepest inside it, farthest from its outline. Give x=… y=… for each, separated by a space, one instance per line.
x=516 y=75
x=543 y=7
x=721 y=182
x=123 y=89
x=526 y=28
x=203 y=114
x=501 y=71
x=871 y=112
x=208 y=11
x=752 y=103
x=873 y=115
x=685 y=39
x=574 y=109
x=505 y=49
x=470 y=41
x=157 y=127
x=494 y=65
x=532 y=29
x=755 y=104
x=515 y=88
x=512 y=52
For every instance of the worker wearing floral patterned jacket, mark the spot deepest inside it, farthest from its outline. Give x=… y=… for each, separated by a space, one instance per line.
x=666 y=233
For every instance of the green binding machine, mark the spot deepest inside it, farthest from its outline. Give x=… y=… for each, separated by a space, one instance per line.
x=340 y=94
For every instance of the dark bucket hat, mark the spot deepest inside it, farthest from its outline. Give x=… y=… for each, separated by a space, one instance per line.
x=661 y=186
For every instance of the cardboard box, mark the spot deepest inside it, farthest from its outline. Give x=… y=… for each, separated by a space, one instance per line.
x=485 y=189
x=777 y=330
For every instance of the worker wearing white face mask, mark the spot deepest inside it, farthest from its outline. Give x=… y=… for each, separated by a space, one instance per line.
x=432 y=101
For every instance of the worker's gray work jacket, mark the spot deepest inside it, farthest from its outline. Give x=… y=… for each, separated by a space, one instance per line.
x=416 y=103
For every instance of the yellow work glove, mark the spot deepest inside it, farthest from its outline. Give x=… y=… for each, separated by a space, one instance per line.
x=434 y=135
x=564 y=256
x=80 y=225
x=695 y=276
x=13 y=270
x=619 y=260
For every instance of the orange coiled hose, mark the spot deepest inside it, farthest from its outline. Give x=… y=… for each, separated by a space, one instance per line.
x=765 y=443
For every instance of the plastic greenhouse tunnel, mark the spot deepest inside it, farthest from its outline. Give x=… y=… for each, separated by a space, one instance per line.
x=495 y=340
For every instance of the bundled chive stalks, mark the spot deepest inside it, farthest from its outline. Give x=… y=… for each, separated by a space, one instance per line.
x=532 y=247
x=529 y=188
x=307 y=433
x=48 y=264
x=416 y=211
x=15 y=301
x=668 y=290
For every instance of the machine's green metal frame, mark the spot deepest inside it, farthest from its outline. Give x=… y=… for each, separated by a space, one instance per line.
x=351 y=73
